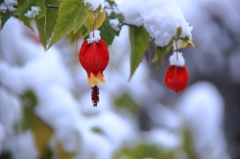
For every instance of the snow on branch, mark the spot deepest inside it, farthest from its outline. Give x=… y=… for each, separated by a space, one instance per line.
x=159 y=17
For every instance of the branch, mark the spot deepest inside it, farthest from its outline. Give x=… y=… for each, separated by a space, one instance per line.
x=55 y=7
x=132 y=25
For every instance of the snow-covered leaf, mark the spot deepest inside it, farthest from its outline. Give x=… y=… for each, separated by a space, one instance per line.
x=107 y=32
x=72 y=15
x=139 y=40
x=25 y=6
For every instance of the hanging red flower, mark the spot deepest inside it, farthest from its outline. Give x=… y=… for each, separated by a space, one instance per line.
x=176 y=77
x=94 y=57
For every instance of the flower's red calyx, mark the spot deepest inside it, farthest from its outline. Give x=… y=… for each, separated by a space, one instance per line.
x=176 y=77
x=94 y=57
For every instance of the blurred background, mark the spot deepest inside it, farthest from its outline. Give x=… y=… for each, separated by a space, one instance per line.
x=46 y=110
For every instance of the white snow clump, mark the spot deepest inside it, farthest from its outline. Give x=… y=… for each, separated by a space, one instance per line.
x=7 y=5
x=177 y=59
x=114 y=24
x=33 y=12
x=159 y=17
x=94 y=36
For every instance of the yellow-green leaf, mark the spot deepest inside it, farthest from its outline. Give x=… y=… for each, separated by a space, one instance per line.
x=62 y=154
x=72 y=15
x=90 y=22
x=41 y=131
x=100 y=19
x=190 y=44
x=139 y=40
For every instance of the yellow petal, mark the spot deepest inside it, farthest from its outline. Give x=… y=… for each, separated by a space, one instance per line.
x=94 y=80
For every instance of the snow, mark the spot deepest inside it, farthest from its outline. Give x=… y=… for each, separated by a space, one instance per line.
x=10 y=109
x=114 y=24
x=8 y=6
x=94 y=3
x=33 y=12
x=94 y=36
x=202 y=108
x=159 y=17
x=177 y=59
x=164 y=138
x=10 y=2
x=22 y=146
x=52 y=79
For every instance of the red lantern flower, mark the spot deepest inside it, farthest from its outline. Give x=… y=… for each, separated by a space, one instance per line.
x=176 y=77
x=94 y=57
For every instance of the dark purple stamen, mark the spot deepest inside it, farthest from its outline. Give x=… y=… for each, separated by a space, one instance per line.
x=95 y=95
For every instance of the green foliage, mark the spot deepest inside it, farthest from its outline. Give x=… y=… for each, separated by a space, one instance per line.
x=188 y=144
x=62 y=154
x=24 y=6
x=139 y=40
x=4 y=17
x=41 y=131
x=143 y=150
x=161 y=51
x=127 y=103
x=72 y=15
x=107 y=32
x=46 y=24
x=76 y=19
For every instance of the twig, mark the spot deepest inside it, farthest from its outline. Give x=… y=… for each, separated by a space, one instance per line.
x=55 y=7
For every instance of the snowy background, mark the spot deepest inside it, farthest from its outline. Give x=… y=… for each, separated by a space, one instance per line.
x=139 y=112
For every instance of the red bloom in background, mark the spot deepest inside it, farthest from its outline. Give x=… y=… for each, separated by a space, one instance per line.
x=176 y=77
x=94 y=57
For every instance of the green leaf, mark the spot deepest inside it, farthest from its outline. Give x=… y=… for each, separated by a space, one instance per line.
x=4 y=17
x=161 y=51
x=139 y=40
x=107 y=32
x=124 y=101
x=46 y=24
x=24 y=6
x=72 y=15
